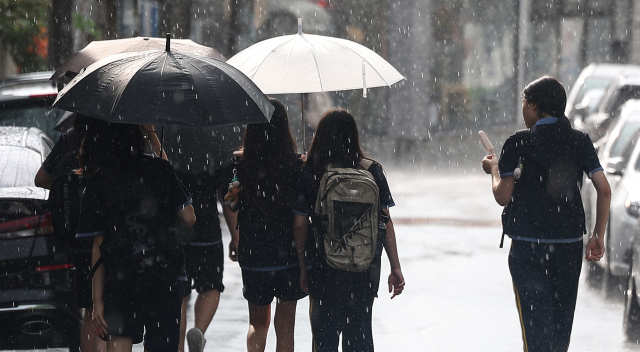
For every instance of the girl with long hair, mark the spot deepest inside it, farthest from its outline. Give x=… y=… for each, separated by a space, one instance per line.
x=538 y=179
x=341 y=301
x=130 y=201
x=267 y=168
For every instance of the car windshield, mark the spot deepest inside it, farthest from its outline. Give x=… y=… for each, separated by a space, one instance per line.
x=621 y=96
x=18 y=166
x=32 y=115
x=625 y=135
x=592 y=83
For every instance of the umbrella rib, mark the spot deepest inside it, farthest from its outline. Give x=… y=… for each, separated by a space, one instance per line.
x=270 y=51
x=364 y=59
x=315 y=60
x=117 y=100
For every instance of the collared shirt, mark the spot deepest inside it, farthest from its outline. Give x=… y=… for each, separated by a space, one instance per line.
x=545 y=205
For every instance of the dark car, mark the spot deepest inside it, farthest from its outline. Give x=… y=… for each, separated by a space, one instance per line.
x=37 y=308
x=25 y=100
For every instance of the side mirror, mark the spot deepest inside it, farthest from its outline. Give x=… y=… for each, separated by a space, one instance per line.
x=615 y=166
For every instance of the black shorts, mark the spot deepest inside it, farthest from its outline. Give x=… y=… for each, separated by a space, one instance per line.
x=205 y=266
x=82 y=264
x=151 y=310
x=260 y=287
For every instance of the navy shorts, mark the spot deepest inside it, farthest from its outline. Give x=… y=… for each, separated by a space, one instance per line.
x=205 y=266
x=260 y=287
x=150 y=311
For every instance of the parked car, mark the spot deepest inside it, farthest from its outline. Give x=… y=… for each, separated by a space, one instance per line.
x=37 y=303
x=619 y=157
x=624 y=87
x=25 y=101
x=631 y=315
x=589 y=88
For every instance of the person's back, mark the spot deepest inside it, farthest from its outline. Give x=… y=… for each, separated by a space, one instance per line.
x=267 y=169
x=128 y=206
x=553 y=157
x=341 y=297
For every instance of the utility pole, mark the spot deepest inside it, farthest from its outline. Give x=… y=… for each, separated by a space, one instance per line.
x=524 y=46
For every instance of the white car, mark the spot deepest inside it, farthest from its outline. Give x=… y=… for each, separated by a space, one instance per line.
x=620 y=158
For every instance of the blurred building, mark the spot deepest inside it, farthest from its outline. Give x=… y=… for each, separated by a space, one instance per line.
x=465 y=61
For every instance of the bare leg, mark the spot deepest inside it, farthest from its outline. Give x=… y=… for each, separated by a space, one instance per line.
x=259 y=320
x=183 y=322
x=87 y=331
x=284 y=323
x=119 y=344
x=205 y=308
x=89 y=341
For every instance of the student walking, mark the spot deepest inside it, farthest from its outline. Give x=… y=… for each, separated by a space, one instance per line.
x=341 y=285
x=130 y=205
x=266 y=169
x=58 y=173
x=204 y=257
x=537 y=179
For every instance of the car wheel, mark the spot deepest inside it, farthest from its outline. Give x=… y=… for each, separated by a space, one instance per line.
x=612 y=286
x=631 y=318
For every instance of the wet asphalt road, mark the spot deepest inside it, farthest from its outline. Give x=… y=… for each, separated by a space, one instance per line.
x=458 y=294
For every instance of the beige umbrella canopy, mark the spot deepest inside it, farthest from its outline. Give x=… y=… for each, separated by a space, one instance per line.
x=99 y=49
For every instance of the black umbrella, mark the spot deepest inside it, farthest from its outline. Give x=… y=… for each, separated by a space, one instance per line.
x=165 y=88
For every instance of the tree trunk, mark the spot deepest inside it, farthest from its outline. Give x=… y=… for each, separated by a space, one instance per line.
x=60 y=42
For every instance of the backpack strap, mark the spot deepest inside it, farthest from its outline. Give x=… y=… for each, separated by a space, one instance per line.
x=366 y=163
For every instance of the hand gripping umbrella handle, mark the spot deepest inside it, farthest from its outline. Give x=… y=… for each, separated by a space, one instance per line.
x=485 y=142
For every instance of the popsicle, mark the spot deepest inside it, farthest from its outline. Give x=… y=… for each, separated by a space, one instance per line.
x=485 y=142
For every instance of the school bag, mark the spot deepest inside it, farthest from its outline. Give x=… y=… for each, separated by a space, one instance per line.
x=142 y=236
x=347 y=216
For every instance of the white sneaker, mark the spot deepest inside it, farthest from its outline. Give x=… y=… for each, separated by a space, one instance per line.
x=195 y=340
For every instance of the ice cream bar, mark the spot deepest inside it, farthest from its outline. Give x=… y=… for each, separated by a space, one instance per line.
x=485 y=142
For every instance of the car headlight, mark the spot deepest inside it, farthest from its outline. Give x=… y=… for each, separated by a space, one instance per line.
x=633 y=207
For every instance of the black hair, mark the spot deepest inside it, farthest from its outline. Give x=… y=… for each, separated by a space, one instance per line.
x=106 y=144
x=269 y=161
x=549 y=96
x=335 y=142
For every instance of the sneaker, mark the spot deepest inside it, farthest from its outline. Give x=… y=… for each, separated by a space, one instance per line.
x=195 y=340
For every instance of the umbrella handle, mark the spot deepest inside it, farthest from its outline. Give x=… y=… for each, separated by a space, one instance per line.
x=168 y=46
x=304 y=134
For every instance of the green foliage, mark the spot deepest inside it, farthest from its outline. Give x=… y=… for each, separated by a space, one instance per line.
x=86 y=25
x=23 y=30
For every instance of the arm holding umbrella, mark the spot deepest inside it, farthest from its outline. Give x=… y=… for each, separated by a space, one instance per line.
x=156 y=146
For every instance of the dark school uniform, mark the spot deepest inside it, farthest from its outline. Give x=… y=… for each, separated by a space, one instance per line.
x=64 y=202
x=266 y=248
x=341 y=301
x=545 y=220
x=204 y=252
x=144 y=305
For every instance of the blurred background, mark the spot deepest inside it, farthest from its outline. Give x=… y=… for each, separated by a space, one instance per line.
x=465 y=61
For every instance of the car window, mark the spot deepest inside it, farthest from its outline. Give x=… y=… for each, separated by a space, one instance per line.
x=626 y=134
x=46 y=147
x=24 y=115
x=18 y=166
x=592 y=83
x=621 y=96
x=628 y=149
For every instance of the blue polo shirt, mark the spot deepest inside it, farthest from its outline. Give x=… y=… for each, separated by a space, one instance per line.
x=546 y=206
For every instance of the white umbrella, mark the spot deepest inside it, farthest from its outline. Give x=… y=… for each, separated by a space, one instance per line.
x=307 y=63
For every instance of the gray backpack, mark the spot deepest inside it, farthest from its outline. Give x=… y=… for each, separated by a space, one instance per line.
x=348 y=207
